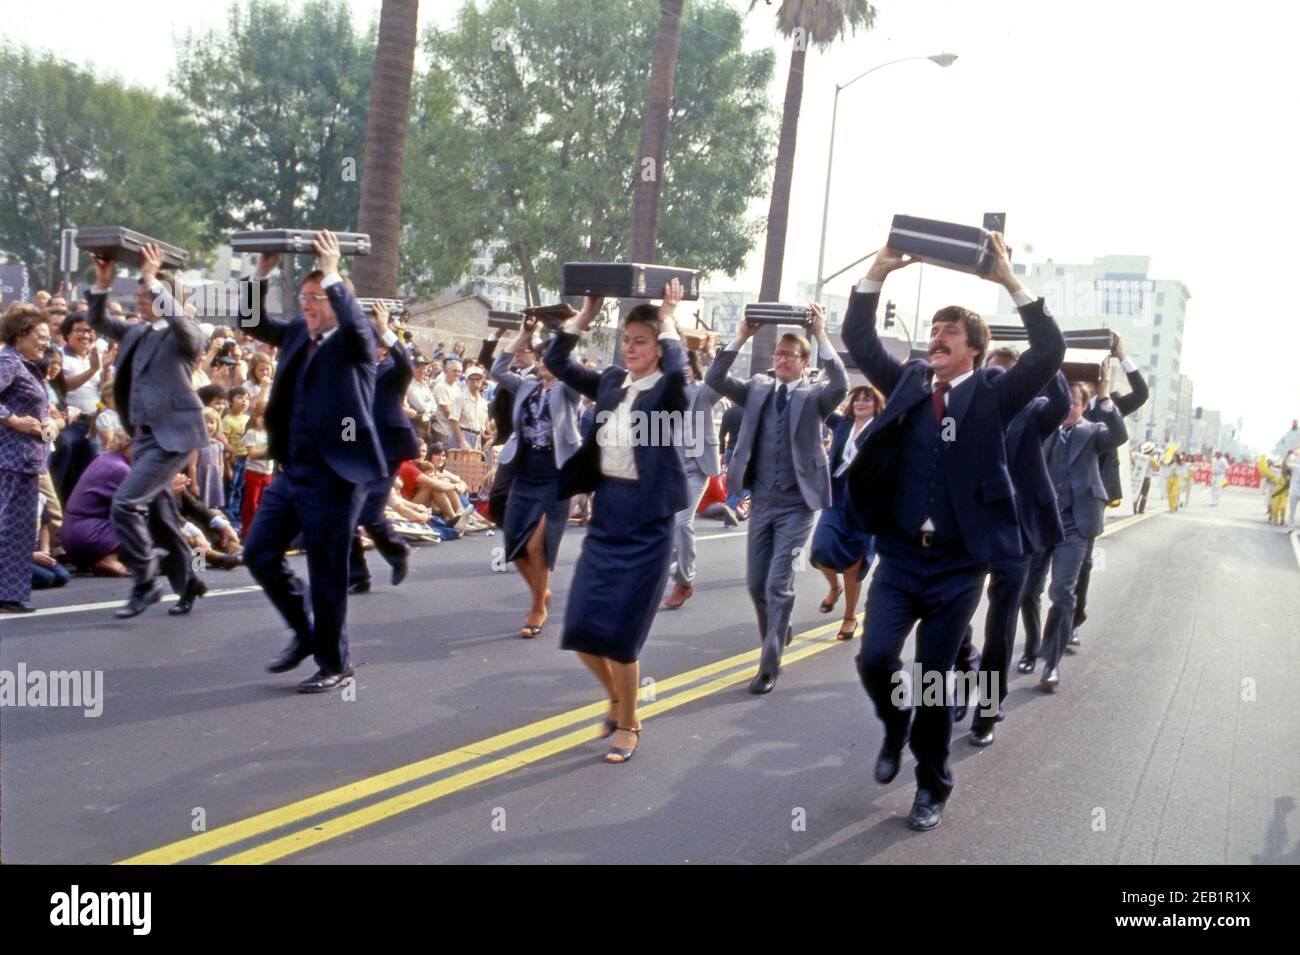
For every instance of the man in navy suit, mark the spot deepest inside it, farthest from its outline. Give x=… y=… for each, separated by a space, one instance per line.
x=400 y=443
x=1072 y=453
x=931 y=482
x=1040 y=530
x=322 y=437
x=1127 y=404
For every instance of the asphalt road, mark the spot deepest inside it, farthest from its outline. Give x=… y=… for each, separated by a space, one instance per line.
x=1172 y=739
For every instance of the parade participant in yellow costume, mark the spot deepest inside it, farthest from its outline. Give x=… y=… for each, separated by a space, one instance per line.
x=1280 y=479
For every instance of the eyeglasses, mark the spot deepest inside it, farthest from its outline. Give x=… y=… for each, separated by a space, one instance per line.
x=305 y=298
x=787 y=354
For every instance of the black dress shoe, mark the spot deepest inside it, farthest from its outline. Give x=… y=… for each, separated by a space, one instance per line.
x=400 y=567
x=887 y=764
x=322 y=682
x=763 y=683
x=927 y=811
x=139 y=602
x=290 y=656
x=983 y=736
x=16 y=606
x=1026 y=665
x=360 y=587
x=193 y=592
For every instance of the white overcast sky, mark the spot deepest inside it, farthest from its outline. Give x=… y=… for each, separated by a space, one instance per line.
x=1146 y=127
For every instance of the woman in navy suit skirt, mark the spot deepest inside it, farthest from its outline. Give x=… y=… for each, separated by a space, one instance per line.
x=535 y=515
x=839 y=549
x=639 y=486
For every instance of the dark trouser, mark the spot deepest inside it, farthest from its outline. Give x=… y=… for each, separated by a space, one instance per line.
x=1140 y=505
x=316 y=502
x=18 y=502
x=391 y=547
x=74 y=449
x=499 y=494
x=779 y=525
x=144 y=515
x=939 y=587
x=1006 y=588
x=1065 y=559
x=1081 y=588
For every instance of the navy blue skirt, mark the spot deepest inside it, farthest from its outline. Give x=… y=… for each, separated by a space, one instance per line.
x=532 y=497
x=620 y=578
x=837 y=543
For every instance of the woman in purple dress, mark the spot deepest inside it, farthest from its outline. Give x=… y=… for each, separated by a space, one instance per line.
x=25 y=434
x=88 y=536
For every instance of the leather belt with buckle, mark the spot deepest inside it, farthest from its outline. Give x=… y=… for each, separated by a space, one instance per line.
x=927 y=538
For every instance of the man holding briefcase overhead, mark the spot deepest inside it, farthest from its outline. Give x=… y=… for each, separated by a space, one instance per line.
x=322 y=436
x=931 y=482
x=165 y=417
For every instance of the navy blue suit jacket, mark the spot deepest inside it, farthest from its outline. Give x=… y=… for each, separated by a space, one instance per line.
x=659 y=468
x=1040 y=519
x=340 y=386
x=982 y=407
x=397 y=435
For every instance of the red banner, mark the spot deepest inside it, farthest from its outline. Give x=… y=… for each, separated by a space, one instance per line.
x=1243 y=475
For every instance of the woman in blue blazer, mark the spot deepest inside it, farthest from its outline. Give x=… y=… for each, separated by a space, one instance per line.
x=840 y=548
x=543 y=438
x=639 y=486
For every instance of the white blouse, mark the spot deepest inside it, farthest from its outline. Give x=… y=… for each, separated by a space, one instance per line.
x=614 y=434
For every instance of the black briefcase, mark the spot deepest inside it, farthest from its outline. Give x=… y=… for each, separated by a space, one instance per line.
x=395 y=306
x=777 y=313
x=296 y=241
x=123 y=247
x=510 y=320
x=960 y=247
x=1098 y=339
x=627 y=280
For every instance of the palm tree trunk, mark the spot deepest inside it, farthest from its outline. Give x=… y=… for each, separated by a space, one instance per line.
x=380 y=214
x=654 y=134
x=778 y=214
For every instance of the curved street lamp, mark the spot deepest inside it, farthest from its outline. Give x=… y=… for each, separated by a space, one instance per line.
x=940 y=59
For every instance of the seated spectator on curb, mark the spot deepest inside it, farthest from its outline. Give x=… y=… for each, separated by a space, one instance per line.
x=88 y=537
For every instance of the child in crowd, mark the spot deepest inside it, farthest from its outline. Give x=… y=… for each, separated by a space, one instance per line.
x=258 y=464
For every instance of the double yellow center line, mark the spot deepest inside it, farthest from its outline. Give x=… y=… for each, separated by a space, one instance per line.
x=492 y=757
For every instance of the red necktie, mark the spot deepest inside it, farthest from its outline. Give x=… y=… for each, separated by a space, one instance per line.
x=940 y=389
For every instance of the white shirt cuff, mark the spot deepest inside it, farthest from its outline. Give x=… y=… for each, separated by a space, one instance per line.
x=1128 y=364
x=390 y=338
x=867 y=286
x=332 y=279
x=732 y=346
x=670 y=334
x=1020 y=298
x=1107 y=405
x=99 y=291
x=156 y=287
x=570 y=328
x=826 y=351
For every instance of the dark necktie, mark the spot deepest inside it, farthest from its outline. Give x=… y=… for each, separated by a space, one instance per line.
x=782 y=399
x=1065 y=435
x=314 y=344
x=936 y=399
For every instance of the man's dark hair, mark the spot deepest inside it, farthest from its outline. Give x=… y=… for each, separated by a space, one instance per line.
x=209 y=393
x=976 y=329
x=69 y=322
x=1005 y=353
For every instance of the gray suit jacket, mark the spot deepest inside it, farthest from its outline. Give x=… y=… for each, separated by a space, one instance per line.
x=698 y=441
x=809 y=407
x=164 y=387
x=1086 y=487
x=566 y=411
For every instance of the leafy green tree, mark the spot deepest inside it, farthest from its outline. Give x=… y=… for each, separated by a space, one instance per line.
x=528 y=128
x=76 y=150
x=280 y=96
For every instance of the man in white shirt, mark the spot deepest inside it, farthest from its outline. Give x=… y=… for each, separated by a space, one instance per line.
x=467 y=428
x=447 y=399
x=419 y=397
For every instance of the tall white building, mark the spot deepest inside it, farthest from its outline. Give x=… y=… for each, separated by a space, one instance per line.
x=1118 y=292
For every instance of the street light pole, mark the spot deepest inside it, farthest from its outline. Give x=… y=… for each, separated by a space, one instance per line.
x=941 y=59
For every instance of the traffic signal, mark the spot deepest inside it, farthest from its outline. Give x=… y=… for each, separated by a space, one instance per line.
x=889 y=314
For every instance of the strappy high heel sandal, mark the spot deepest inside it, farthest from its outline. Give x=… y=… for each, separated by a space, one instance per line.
x=610 y=725
x=623 y=754
x=847 y=631
x=828 y=605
